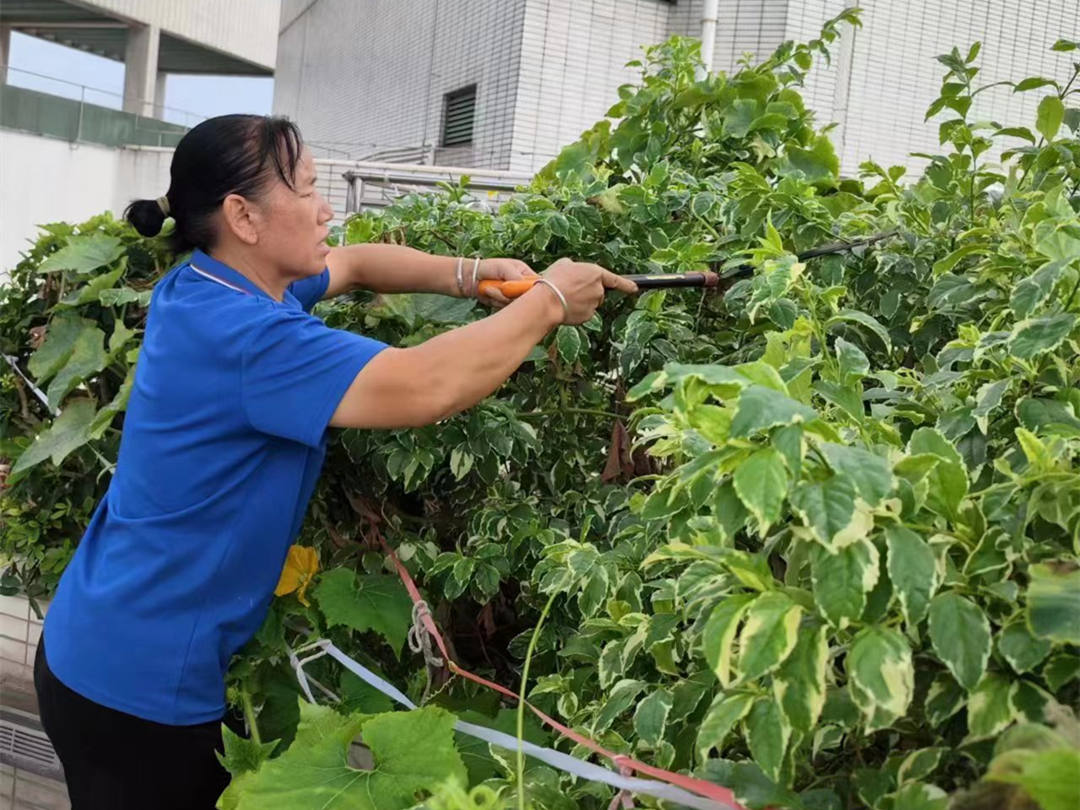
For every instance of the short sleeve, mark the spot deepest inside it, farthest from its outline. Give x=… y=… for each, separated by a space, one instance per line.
x=295 y=370
x=308 y=291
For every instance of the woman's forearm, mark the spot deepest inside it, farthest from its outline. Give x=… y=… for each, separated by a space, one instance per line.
x=442 y=376
x=385 y=268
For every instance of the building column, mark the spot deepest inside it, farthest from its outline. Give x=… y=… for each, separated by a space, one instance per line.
x=5 y=51
x=140 y=69
x=159 y=96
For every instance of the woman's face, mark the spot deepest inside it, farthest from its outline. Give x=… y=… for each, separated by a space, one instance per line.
x=295 y=223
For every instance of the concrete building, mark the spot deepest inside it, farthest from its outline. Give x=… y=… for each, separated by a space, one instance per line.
x=68 y=159
x=503 y=84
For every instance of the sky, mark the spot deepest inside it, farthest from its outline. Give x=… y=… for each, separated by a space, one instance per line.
x=188 y=99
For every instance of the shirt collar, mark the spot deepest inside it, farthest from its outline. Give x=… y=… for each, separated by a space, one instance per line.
x=208 y=264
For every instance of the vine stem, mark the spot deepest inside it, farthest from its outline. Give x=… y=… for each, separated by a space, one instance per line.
x=249 y=716
x=563 y=411
x=521 y=703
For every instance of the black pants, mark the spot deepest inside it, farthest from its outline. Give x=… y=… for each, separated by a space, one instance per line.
x=116 y=761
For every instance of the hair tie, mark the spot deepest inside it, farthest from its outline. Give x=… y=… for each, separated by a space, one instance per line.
x=163 y=204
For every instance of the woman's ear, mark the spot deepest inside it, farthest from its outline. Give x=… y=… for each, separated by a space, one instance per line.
x=240 y=218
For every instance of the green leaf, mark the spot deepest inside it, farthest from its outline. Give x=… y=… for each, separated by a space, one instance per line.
x=359 y=696
x=719 y=634
x=767 y=734
x=84 y=254
x=241 y=753
x=990 y=707
x=960 y=634
x=761 y=483
x=1032 y=83
x=945 y=698
x=827 y=506
x=1031 y=292
x=413 y=752
x=948 y=480
x=769 y=635
x=913 y=571
x=442 y=308
x=60 y=337
x=1047 y=415
x=1021 y=648
x=843 y=579
x=880 y=675
x=1053 y=597
x=70 y=430
x=853 y=362
x=366 y=602
x=919 y=764
x=870 y=472
x=862 y=319
x=725 y=711
x=1050 y=114
x=92 y=289
x=568 y=340
x=1049 y=777
x=761 y=408
x=799 y=684
x=919 y=796
x=618 y=699
x=650 y=717
x=817 y=164
x=87 y=357
x=1034 y=336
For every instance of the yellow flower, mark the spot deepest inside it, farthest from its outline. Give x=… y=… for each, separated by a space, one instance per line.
x=300 y=567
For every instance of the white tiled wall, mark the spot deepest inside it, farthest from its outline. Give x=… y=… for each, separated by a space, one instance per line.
x=365 y=76
x=20 y=630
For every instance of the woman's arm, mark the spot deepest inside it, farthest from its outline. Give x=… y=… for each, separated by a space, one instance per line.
x=457 y=369
x=386 y=268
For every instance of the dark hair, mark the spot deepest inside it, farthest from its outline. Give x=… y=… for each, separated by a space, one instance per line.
x=229 y=154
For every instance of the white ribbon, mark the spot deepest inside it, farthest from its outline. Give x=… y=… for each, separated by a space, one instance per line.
x=555 y=759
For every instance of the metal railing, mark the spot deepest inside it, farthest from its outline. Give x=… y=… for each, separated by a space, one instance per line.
x=104 y=98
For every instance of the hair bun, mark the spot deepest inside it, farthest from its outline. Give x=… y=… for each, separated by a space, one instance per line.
x=146 y=216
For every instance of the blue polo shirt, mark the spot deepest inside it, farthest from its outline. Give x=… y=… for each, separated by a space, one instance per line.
x=223 y=440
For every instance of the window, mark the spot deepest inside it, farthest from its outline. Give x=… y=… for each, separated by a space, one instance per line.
x=459 y=112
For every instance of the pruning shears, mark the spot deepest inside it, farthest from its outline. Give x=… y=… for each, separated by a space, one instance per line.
x=706 y=278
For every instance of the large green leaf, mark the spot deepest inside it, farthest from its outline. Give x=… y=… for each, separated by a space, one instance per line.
x=84 y=254
x=413 y=752
x=799 y=684
x=826 y=506
x=726 y=710
x=650 y=717
x=719 y=633
x=817 y=163
x=1023 y=650
x=1049 y=116
x=913 y=571
x=767 y=734
x=1031 y=292
x=1053 y=596
x=842 y=579
x=769 y=635
x=990 y=707
x=854 y=316
x=761 y=483
x=870 y=472
x=960 y=634
x=366 y=602
x=948 y=480
x=60 y=337
x=87 y=358
x=1034 y=336
x=761 y=408
x=881 y=677
x=71 y=430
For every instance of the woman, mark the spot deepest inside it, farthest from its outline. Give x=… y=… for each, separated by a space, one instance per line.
x=223 y=441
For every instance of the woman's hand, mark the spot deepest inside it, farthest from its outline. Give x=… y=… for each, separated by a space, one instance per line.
x=496 y=270
x=582 y=285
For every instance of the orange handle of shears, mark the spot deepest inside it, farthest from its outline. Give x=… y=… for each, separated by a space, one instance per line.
x=511 y=289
